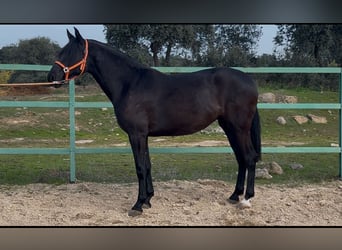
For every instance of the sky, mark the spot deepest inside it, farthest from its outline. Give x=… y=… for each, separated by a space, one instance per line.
x=11 y=34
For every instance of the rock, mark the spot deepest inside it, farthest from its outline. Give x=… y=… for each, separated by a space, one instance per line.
x=83 y=141
x=322 y=203
x=83 y=216
x=275 y=168
x=300 y=119
x=281 y=120
x=84 y=187
x=159 y=140
x=262 y=173
x=212 y=130
x=186 y=212
x=296 y=166
x=272 y=167
x=317 y=119
x=288 y=99
x=267 y=98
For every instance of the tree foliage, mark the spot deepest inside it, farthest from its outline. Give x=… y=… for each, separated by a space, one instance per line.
x=146 y=42
x=203 y=45
x=5 y=76
x=311 y=45
x=40 y=50
x=316 y=45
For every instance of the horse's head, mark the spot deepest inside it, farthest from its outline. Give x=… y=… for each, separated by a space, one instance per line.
x=72 y=59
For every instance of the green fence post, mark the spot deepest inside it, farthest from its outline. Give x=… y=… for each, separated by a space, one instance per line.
x=72 y=133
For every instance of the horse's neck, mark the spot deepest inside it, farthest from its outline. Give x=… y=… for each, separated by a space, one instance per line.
x=110 y=73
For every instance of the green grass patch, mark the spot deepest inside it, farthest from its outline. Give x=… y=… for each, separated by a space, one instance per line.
x=119 y=168
x=26 y=169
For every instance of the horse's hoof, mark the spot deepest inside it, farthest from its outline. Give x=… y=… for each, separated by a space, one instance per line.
x=146 y=205
x=231 y=201
x=134 y=213
x=245 y=204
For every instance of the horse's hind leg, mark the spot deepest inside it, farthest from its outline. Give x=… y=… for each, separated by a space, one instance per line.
x=240 y=141
x=239 y=187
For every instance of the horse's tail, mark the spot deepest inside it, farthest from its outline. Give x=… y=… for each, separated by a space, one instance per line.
x=256 y=135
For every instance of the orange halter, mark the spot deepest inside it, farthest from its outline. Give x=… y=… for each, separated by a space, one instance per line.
x=80 y=64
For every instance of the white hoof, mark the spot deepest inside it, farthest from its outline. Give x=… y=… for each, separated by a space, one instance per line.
x=245 y=204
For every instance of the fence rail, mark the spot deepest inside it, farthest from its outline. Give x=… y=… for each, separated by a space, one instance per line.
x=72 y=150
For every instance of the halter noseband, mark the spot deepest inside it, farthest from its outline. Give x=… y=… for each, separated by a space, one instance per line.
x=80 y=64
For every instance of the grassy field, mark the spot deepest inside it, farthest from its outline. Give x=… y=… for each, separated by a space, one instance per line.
x=42 y=127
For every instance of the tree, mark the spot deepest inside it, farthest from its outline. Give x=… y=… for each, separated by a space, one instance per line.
x=156 y=39
x=311 y=45
x=316 y=45
x=40 y=50
x=206 y=45
x=7 y=54
x=243 y=36
x=228 y=45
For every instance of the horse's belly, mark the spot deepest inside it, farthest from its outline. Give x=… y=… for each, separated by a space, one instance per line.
x=174 y=127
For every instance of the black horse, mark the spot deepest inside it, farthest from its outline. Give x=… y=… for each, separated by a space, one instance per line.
x=150 y=103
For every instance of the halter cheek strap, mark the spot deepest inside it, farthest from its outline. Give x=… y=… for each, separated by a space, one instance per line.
x=81 y=64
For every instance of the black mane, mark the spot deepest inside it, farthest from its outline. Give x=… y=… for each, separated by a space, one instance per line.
x=118 y=54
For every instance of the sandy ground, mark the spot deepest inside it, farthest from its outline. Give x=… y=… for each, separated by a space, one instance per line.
x=176 y=203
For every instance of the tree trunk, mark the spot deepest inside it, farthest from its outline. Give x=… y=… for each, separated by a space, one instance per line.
x=155 y=48
x=168 y=54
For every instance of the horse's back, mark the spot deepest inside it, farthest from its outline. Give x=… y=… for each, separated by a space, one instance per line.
x=228 y=85
x=230 y=79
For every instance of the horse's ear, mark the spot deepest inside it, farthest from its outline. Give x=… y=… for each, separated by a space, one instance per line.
x=78 y=35
x=70 y=36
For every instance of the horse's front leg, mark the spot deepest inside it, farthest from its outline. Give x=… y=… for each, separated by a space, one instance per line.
x=143 y=169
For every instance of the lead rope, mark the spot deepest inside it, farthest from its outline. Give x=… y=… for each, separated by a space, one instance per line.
x=33 y=84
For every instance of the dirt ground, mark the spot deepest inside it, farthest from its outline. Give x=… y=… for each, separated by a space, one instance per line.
x=176 y=203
